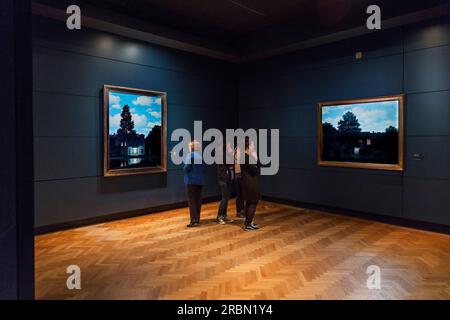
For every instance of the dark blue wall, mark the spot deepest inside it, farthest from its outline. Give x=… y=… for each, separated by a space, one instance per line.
x=16 y=173
x=70 y=69
x=8 y=205
x=283 y=93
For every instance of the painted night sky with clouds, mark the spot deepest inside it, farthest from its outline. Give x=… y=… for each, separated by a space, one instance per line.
x=145 y=110
x=373 y=116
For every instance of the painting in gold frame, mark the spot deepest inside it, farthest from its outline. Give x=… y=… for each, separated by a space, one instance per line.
x=363 y=133
x=135 y=131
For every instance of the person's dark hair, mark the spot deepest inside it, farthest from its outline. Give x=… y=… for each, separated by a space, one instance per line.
x=247 y=143
x=224 y=153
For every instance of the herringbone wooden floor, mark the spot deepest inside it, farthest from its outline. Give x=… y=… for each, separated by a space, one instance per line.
x=299 y=254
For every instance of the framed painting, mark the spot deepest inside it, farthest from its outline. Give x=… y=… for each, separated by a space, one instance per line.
x=135 y=131
x=365 y=133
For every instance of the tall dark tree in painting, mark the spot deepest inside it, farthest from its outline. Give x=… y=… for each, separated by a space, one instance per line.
x=126 y=123
x=349 y=131
x=362 y=134
x=349 y=124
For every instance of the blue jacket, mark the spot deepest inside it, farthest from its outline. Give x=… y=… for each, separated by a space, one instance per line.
x=194 y=173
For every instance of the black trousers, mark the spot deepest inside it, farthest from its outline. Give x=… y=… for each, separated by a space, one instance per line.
x=194 y=195
x=239 y=200
x=223 y=207
x=250 y=209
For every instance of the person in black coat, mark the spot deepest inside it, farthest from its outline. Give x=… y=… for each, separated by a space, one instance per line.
x=225 y=176
x=240 y=205
x=250 y=185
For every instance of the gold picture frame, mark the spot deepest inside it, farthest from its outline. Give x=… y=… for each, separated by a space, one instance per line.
x=108 y=171
x=398 y=166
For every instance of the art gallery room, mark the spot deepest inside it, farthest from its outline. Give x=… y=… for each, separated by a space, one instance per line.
x=102 y=196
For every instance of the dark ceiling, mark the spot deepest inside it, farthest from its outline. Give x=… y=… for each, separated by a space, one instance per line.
x=230 y=19
x=235 y=17
x=250 y=25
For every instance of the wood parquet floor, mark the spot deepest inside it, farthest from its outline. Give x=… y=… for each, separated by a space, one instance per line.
x=298 y=254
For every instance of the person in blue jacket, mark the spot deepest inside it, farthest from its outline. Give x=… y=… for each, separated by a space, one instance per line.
x=194 y=179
